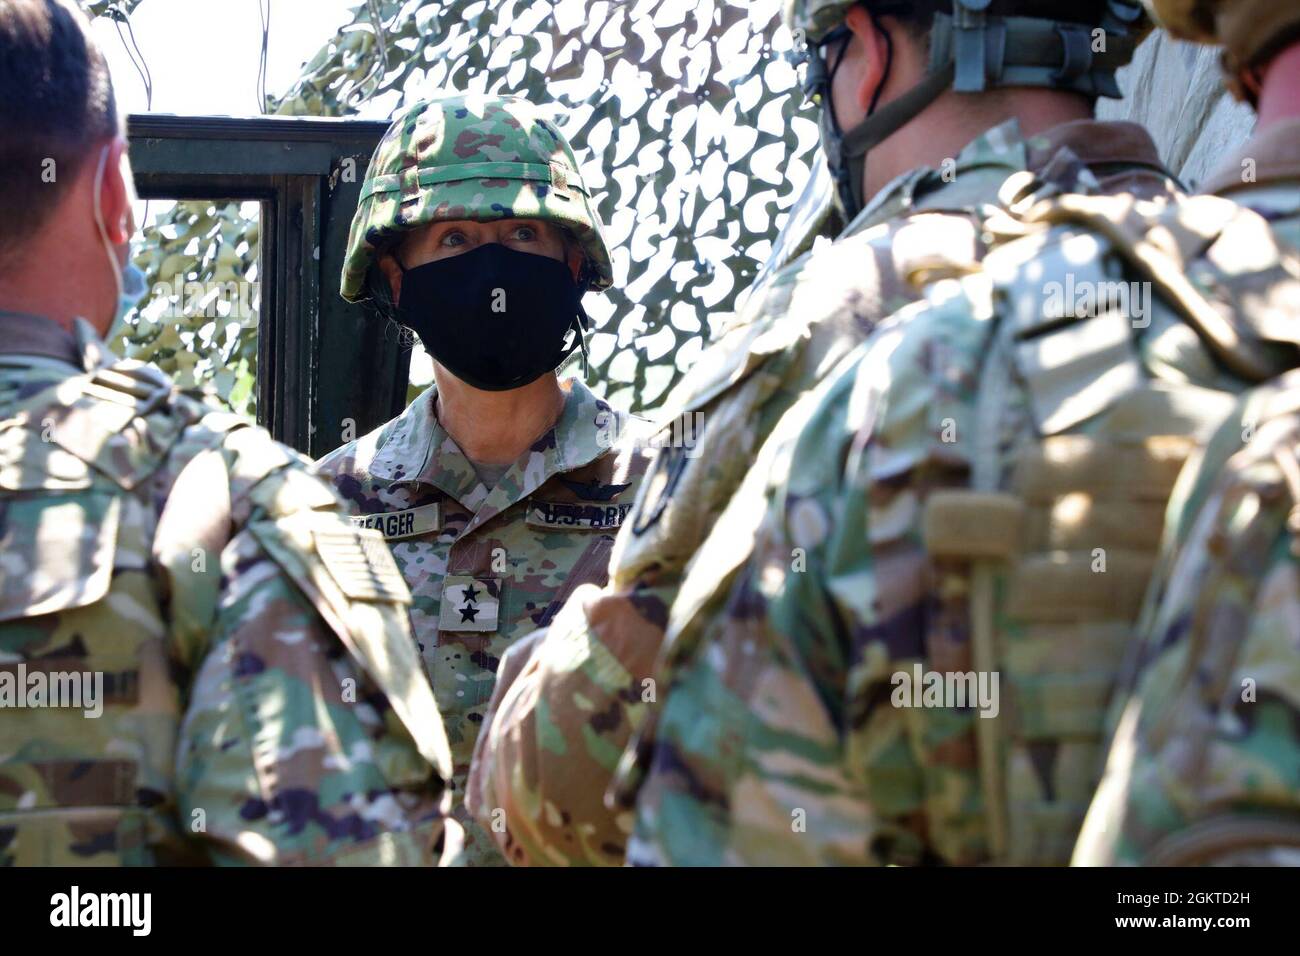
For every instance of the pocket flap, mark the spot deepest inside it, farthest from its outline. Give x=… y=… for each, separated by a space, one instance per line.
x=56 y=552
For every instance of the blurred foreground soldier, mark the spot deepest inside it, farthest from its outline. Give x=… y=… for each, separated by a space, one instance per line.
x=200 y=659
x=500 y=488
x=951 y=539
x=950 y=102
x=1205 y=764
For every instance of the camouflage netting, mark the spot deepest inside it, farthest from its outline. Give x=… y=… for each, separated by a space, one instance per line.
x=203 y=328
x=683 y=116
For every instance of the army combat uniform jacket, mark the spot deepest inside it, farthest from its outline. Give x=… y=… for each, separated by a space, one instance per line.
x=486 y=566
x=200 y=659
x=590 y=679
x=951 y=539
x=1205 y=763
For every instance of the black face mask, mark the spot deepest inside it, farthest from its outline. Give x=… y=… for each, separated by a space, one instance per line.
x=495 y=318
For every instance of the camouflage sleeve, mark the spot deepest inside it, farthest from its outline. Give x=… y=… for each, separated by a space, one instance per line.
x=479 y=798
x=309 y=731
x=1204 y=764
x=740 y=741
x=557 y=730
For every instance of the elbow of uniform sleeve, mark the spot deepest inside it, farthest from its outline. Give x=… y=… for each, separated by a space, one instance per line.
x=287 y=752
x=559 y=729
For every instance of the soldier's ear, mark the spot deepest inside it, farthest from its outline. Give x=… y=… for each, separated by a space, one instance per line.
x=388 y=266
x=117 y=193
x=574 y=255
x=873 y=58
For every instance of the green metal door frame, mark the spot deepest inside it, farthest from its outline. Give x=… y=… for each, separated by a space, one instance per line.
x=321 y=361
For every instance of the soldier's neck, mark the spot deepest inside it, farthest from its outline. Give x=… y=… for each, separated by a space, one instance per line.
x=950 y=123
x=62 y=306
x=495 y=428
x=61 y=272
x=1279 y=100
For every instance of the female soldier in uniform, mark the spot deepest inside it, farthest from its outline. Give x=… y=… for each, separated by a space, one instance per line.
x=501 y=488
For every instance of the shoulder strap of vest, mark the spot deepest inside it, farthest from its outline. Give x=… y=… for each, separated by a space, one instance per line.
x=89 y=417
x=1164 y=243
x=1241 y=552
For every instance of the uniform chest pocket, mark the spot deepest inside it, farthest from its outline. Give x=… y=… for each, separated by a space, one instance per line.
x=56 y=551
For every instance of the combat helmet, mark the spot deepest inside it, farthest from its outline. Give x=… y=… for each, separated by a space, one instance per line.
x=471 y=157
x=1252 y=31
x=971 y=50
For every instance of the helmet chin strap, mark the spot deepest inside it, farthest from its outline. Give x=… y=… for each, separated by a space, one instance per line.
x=847 y=151
x=580 y=323
x=848 y=167
x=853 y=146
x=972 y=51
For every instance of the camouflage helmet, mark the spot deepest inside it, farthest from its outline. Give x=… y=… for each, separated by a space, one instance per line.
x=972 y=49
x=1251 y=31
x=1185 y=19
x=471 y=157
x=814 y=19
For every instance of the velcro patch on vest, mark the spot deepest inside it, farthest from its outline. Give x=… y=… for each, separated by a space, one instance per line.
x=361 y=565
x=66 y=681
x=102 y=782
x=576 y=515
x=470 y=603
x=402 y=524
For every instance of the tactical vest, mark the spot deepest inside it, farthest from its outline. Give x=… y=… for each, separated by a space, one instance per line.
x=1079 y=444
x=1262 y=483
x=82 y=622
x=98 y=578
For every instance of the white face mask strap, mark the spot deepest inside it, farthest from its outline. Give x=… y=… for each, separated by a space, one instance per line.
x=99 y=220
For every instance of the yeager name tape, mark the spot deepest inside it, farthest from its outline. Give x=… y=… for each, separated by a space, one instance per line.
x=402 y=524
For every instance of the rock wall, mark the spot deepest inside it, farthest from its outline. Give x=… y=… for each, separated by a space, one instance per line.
x=1174 y=89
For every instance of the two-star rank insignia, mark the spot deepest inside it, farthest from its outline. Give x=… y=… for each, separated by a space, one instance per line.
x=470 y=603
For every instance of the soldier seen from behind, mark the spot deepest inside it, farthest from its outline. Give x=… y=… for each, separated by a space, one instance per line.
x=898 y=643
x=1204 y=765
x=201 y=661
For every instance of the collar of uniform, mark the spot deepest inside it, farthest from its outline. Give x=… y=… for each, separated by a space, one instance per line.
x=1276 y=156
x=419 y=449
x=1095 y=143
x=887 y=204
x=1000 y=149
x=584 y=432
x=38 y=337
x=404 y=452
x=1000 y=146
x=586 y=429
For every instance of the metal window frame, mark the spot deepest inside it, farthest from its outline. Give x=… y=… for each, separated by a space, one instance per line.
x=320 y=360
